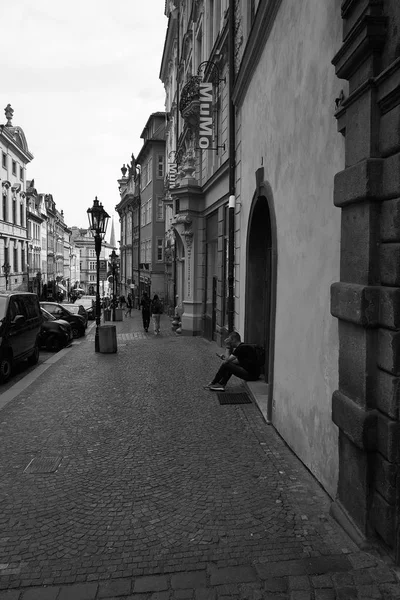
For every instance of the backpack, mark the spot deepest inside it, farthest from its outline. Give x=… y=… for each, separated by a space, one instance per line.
x=260 y=354
x=156 y=307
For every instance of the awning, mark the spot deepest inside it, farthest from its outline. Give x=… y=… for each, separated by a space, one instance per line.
x=64 y=289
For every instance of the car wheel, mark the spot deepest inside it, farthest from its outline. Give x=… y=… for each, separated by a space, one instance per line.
x=5 y=369
x=34 y=357
x=75 y=332
x=53 y=344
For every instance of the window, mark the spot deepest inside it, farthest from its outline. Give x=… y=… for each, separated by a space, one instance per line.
x=14 y=167
x=15 y=260
x=142 y=252
x=21 y=214
x=148 y=251
x=92 y=277
x=4 y=208
x=148 y=220
x=92 y=253
x=150 y=170
x=23 y=263
x=4 y=160
x=21 y=173
x=160 y=208
x=92 y=265
x=160 y=166
x=14 y=212
x=160 y=249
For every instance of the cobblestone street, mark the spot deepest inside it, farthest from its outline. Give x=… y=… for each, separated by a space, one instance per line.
x=121 y=477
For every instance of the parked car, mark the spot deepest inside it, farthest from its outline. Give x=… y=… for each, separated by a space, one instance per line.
x=20 y=324
x=77 y=309
x=55 y=333
x=89 y=303
x=59 y=311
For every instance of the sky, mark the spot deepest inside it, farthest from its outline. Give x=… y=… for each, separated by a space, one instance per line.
x=83 y=78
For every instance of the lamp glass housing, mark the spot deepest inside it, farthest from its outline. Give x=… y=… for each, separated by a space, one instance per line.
x=98 y=219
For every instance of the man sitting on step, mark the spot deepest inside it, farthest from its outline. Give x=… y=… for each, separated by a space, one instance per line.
x=241 y=362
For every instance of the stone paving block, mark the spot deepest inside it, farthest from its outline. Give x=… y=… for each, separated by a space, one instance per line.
x=299 y=582
x=368 y=591
x=239 y=574
x=160 y=596
x=191 y=579
x=300 y=595
x=324 y=594
x=10 y=595
x=115 y=587
x=322 y=581
x=182 y=594
x=41 y=593
x=306 y=566
x=78 y=591
x=347 y=593
x=276 y=584
x=205 y=594
x=391 y=591
x=152 y=583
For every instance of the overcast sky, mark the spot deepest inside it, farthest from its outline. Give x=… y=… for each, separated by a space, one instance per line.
x=82 y=77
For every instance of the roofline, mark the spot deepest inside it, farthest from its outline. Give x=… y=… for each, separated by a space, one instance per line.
x=17 y=149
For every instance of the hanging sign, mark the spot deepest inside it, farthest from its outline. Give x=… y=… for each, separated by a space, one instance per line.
x=205 y=130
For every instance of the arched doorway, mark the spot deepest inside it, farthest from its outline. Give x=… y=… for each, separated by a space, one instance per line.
x=261 y=276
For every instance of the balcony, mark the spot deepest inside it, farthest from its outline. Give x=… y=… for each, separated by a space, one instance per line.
x=189 y=104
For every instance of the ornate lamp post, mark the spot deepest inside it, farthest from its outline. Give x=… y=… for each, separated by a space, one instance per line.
x=98 y=220
x=6 y=268
x=114 y=267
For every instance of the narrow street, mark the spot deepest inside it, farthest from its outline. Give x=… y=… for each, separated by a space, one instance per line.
x=122 y=477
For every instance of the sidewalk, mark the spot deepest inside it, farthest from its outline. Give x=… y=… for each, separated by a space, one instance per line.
x=121 y=477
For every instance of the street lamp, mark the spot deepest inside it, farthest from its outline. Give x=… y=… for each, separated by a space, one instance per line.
x=6 y=268
x=98 y=220
x=114 y=266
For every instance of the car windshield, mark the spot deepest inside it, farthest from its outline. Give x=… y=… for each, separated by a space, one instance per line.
x=3 y=306
x=86 y=302
x=47 y=316
x=72 y=308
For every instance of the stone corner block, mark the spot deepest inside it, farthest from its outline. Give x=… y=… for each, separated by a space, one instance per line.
x=359 y=182
x=358 y=424
x=358 y=304
x=79 y=591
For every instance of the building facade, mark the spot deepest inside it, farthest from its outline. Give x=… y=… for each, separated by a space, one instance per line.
x=15 y=157
x=142 y=214
x=83 y=244
x=266 y=138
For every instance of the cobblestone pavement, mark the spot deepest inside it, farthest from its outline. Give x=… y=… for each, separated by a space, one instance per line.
x=121 y=477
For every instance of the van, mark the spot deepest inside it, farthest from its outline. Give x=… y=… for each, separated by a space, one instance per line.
x=20 y=324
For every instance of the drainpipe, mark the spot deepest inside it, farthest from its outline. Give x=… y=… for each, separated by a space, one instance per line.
x=232 y=167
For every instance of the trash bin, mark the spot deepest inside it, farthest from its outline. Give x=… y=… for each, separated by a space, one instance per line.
x=119 y=314
x=107 y=339
x=107 y=314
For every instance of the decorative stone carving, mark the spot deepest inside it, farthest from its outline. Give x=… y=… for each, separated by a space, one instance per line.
x=9 y=115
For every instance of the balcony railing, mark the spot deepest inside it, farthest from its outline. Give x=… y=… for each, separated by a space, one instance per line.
x=189 y=104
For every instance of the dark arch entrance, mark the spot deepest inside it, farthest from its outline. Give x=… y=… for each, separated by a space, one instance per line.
x=261 y=270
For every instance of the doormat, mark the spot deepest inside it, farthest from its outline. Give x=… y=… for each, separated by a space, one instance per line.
x=236 y=398
x=43 y=465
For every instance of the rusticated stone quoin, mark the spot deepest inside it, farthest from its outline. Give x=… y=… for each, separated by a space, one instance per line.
x=367 y=299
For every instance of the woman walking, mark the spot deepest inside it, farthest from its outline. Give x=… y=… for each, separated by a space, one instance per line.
x=156 y=310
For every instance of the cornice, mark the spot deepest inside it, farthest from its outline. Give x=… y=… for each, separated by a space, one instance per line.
x=263 y=22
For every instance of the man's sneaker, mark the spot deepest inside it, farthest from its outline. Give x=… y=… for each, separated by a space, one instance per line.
x=216 y=387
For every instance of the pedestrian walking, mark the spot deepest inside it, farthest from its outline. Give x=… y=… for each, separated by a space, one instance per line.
x=129 y=305
x=242 y=362
x=145 y=304
x=156 y=310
